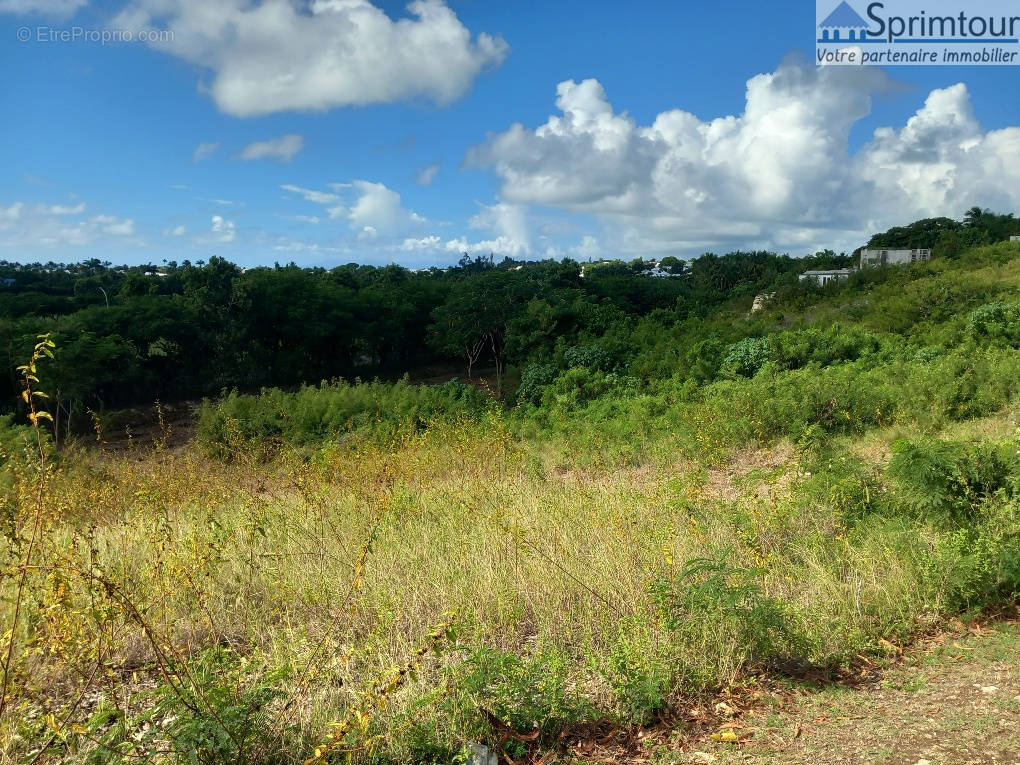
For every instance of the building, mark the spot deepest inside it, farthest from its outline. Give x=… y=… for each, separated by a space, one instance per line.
x=843 y=18
x=821 y=278
x=876 y=258
x=1015 y=238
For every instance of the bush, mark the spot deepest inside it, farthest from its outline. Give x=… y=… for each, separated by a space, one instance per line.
x=533 y=379
x=316 y=414
x=949 y=478
x=747 y=357
x=590 y=356
x=723 y=607
x=996 y=322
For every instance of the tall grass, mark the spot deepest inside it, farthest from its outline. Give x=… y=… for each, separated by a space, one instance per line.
x=385 y=572
x=271 y=600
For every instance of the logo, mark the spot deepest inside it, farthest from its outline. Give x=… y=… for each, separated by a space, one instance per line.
x=912 y=32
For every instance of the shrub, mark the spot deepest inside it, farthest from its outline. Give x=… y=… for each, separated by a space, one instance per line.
x=723 y=607
x=533 y=379
x=224 y=716
x=747 y=357
x=949 y=478
x=996 y=322
x=312 y=415
x=590 y=356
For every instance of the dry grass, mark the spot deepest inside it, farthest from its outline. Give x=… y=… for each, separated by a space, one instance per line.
x=264 y=558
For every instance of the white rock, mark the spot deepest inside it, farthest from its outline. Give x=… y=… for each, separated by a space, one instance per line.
x=480 y=754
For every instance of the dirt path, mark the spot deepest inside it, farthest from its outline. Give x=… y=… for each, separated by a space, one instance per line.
x=955 y=699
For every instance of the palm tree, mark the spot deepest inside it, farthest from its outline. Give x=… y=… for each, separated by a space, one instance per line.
x=973 y=216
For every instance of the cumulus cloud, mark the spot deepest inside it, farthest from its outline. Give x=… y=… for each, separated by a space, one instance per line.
x=427 y=174
x=778 y=175
x=587 y=248
x=371 y=209
x=282 y=149
x=45 y=225
x=379 y=208
x=204 y=150
x=438 y=247
x=54 y=8
x=175 y=231
x=507 y=227
x=111 y=224
x=268 y=56
x=222 y=229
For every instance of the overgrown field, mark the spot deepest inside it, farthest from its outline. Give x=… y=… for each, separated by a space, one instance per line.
x=383 y=572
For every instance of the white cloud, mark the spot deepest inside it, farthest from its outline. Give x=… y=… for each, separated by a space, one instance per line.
x=204 y=150
x=62 y=210
x=111 y=224
x=11 y=213
x=311 y=195
x=175 y=231
x=510 y=225
x=379 y=207
x=47 y=226
x=588 y=247
x=222 y=229
x=507 y=223
x=778 y=175
x=427 y=174
x=437 y=246
x=55 y=8
x=271 y=55
x=371 y=209
x=282 y=149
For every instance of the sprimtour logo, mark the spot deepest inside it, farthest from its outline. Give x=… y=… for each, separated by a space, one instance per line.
x=932 y=32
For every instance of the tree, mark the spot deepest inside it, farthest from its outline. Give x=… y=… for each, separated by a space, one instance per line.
x=476 y=315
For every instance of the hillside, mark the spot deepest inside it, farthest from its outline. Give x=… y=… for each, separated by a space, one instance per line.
x=672 y=505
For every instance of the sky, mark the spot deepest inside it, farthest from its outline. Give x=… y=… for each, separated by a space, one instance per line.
x=336 y=131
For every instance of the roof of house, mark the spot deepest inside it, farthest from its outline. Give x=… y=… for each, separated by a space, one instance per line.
x=844 y=16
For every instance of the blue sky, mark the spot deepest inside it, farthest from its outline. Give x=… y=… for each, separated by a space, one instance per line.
x=338 y=131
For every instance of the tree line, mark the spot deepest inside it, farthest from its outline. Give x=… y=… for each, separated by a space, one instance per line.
x=128 y=335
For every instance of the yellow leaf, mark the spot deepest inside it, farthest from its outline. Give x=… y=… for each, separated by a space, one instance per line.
x=45 y=416
x=728 y=736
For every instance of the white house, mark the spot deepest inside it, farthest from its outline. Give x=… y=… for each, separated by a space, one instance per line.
x=1015 y=238
x=824 y=277
x=872 y=258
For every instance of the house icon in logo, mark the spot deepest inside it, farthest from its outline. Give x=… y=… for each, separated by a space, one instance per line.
x=843 y=18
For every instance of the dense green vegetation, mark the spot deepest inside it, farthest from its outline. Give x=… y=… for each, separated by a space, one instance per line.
x=135 y=335
x=673 y=497
x=924 y=345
